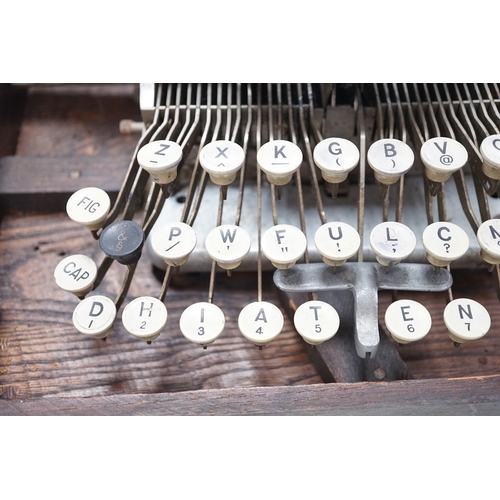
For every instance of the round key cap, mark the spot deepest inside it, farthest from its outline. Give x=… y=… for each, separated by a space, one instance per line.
x=174 y=242
x=335 y=157
x=488 y=237
x=466 y=320
x=283 y=245
x=490 y=151
x=123 y=240
x=442 y=157
x=390 y=159
x=407 y=321
x=444 y=242
x=76 y=274
x=145 y=318
x=94 y=316
x=279 y=160
x=392 y=242
x=336 y=242
x=260 y=322
x=160 y=159
x=89 y=207
x=228 y=245
x=316 y=321
x=202 y=323
x=222 y=160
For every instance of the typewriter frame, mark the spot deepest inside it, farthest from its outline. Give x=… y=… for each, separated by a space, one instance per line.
x=53 y=178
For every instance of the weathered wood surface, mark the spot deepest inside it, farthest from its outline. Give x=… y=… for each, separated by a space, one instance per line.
x=46 y=367
x=443 y=397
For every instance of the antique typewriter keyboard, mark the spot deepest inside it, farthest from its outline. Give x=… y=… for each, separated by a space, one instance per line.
x=340 y=189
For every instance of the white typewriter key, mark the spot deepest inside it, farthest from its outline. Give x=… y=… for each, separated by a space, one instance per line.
x=407 y=321
x=145 y=318
x=442 y=157
x=466 y=320
x=222 y=160
x=89 y=207
x=94 y=316
x=160 y=159
x=488 y=237
x=173 y=242
x=392 y=242
x=76 y=274
x=336 y=242
x=228 y=245
x=444 y=242
x=283 y=245
x=279 y=160
x=260 y=322
x=202 y=323
x=390 y=159
x=336 y=157
x=490 y=151
x=316 y=321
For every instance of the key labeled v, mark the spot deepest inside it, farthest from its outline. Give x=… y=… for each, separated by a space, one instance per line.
x=442 y=149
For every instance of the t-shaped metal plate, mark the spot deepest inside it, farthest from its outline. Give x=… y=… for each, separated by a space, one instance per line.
x=364 y=280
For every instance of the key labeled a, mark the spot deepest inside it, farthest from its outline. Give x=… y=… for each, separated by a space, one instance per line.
x=94 y=316
x=260 y=322
x=144 y=318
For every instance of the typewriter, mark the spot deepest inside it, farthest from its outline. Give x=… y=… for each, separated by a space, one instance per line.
x=335 y=192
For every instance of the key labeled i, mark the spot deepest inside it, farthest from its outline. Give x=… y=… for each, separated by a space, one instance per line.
x=202 y=323
x=222 y=160
x=144 y=318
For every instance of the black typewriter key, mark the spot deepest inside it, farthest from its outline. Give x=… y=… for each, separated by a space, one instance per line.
x=123 y=241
